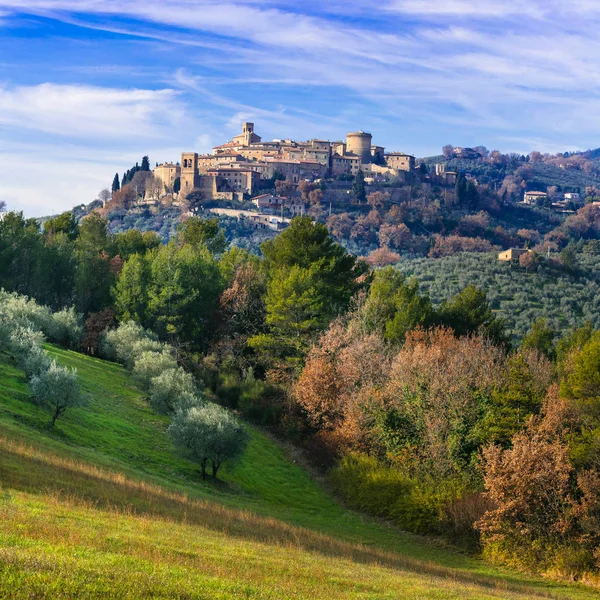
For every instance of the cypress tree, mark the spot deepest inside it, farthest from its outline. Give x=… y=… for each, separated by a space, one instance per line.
x=145 y=164
x=116 y=186
x=358 y=188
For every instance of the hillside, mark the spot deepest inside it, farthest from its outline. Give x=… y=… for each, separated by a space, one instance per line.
x=102 y=506
x=519 y=297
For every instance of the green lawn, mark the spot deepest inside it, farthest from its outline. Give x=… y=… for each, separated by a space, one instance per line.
x=84 y=503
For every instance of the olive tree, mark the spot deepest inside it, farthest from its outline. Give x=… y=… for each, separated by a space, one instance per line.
x=57 y=390
x=127 y=342
x=208 y=433
x=173 y=390
x=67 y=327
x=151 y=364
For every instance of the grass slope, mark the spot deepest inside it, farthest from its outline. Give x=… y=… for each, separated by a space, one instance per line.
x=101 y=506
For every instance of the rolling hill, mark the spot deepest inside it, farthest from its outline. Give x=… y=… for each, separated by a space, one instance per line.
x=101 y=506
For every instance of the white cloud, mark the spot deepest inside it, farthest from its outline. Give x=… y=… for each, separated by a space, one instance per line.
x=512 y=70
x=89 y=112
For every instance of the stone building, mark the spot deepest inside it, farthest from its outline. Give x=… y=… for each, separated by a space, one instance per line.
x=167 y=173
x=238 y=164
x=400 y=161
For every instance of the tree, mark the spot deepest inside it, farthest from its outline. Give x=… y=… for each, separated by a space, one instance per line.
x=315 y=197
x=308 y=245
x=395 y=236
x=520 y=395
x=104 y=196
x=116 y=186
x=131 y=291
x=57 y=390
x=540 y=338
x=209 y=434
x=377 y=199
x=145 y=164
x=154 y=188
x=173 y=390
x=295 y=314
x=529 y=261
x=94 y=278
x=429 y=409
x=394 y=306
x=133 y=241
x=448 y=151
x=194 y=200
x=382 y=257
x=177 y=185
x=568 y=257
x=65 y=223
x=185 y=284
x=198 y=232
x=358 y=187
x=469 y=312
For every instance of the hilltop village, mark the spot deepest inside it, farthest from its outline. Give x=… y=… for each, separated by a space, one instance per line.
x=372 y=200
x=237 y=169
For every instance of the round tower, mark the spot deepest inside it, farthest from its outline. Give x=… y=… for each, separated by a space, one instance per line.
x=359 y=143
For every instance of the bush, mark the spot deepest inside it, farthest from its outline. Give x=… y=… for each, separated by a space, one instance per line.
x=257 y=400
x=173 y=390
x=57 y=390
x=209 y=434
x=151 y=364
x=385 y=491
x=67 y=328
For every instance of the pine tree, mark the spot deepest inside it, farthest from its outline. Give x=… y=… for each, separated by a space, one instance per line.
x=116 y=186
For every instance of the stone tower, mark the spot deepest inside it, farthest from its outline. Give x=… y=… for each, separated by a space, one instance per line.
x=359 y=143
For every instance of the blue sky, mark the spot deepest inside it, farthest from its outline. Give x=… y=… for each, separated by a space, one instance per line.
x=89 y=86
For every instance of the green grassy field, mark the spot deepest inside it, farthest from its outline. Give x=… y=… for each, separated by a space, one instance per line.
x=101 y=506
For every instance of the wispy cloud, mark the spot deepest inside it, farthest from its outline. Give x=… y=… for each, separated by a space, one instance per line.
x=78 y=111
x=424 y=72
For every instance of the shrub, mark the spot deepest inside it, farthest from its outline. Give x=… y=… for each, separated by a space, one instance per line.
x=209 y=434
x=385 y=491
x=257 y=400
x=57 y=390
x=151 y=364
x=546 y=506
x=173 y=390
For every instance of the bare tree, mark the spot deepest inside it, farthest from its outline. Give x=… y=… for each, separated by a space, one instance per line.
x=448 y=151
x=104 y=196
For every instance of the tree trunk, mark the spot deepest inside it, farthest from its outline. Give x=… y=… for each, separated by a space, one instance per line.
x=215 y=468
x=203 y=467
x=55 y=416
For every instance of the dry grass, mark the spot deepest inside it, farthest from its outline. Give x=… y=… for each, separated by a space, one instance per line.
x=149 y=519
